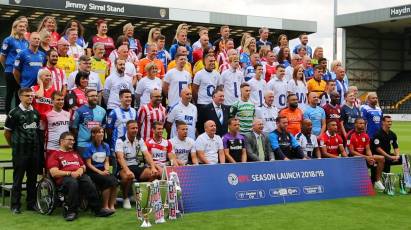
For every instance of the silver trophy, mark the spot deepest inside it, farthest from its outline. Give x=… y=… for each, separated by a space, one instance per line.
x=406 y=170
x=401 y=181
x=389 y=180
x=144 y=207
x=157 y=202
x=179 y=202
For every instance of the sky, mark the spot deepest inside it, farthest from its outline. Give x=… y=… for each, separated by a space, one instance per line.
x=321 y=11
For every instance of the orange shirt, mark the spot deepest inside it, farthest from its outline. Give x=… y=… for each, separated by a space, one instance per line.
x=315 y=86
x=143 y=62
x=294 y=119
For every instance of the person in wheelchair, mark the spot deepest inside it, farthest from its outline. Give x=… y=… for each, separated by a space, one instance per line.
x=67 y=169
x=132 y=166
x=97 y=161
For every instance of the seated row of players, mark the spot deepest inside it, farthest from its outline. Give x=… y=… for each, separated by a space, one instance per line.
x=255 y=143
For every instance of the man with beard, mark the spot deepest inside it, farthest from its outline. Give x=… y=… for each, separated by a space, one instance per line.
x=116 y=82
x=85 y=118
x=149 y=113
x=293 y=114
x=308 y=141
x=358 y=144
x=57 y=74
x=284 y=145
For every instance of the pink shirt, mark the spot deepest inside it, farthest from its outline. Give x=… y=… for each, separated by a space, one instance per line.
x=56 y=124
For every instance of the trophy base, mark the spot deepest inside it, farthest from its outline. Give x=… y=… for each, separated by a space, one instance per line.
x=403 y=192
x=145 y=224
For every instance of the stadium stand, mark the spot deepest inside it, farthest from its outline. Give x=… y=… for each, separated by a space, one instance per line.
x=393 y=91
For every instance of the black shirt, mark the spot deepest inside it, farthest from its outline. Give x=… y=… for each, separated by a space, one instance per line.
x=384 y=140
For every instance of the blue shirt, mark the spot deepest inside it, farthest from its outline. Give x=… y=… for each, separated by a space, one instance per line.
x=97 y=154
x=29 y=64
x=80 y=41
x=245 y=58
x=327 y=76
x=10 y=48
x=316 y=115
x=285 y=63
x=341 y=89
x=309 y=50
x=84 y=120
x=308 y=73
x=285 y=141
x=173 y=51
x=163 y=57
x=373 y=116
x=117 y=120
x=348 y=115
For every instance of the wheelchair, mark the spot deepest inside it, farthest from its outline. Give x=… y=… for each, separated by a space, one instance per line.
x=49 y=196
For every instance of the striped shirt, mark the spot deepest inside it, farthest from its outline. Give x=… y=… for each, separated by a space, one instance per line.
x=117 y=120
x=244 y=111
x=147 y=114
x=159 y=151
x=58 y=76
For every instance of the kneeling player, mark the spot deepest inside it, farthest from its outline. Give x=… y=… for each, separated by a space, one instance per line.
x=127 y=149
x=331 y=144
x=358 y=144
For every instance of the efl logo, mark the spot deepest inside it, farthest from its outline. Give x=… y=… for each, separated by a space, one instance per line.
x=233 y=179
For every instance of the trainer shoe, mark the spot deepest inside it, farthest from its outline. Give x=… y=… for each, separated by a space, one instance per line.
x=378 y=185
x=16 y=210
x=126 y=204
x=70 y=216
x=104 y=213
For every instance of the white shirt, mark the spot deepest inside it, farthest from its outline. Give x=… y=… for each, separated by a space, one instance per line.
x=129 y=71
x=177 y=81
x=258 y=87
x=188 y=114
x=268 y=114
x=279 y=87
x=145 y=86
x=207 y=82
x=308 y=148
x=130 y=149
x=210 y=146
x=231 y=79
x=94 y=81
x=184 y=148
x=289 y=70
x=75 y=51
x=114 y=83
x=299 y=89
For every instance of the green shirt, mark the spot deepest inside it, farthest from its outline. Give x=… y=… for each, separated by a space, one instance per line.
x=23 y=124
x=244 y=111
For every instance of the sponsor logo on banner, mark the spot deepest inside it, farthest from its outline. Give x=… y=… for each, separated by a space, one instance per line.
x=313 y=189
x=232 y=179
x=291 y=191
x=250 y=195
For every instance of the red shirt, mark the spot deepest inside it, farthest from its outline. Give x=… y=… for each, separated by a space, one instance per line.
x=358 y=141
x=197 y=55
x=108 y=44
x=332 y=143
x=55 y=37
x=43 y=104
x=269 y=71
x=66 y=161
x=333 y=113
x=146 y=116
x=159 y=151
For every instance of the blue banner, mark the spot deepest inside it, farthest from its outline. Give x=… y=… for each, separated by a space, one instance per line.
x=222 y=186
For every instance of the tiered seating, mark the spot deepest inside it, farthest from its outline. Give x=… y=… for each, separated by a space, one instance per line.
x=393 y=91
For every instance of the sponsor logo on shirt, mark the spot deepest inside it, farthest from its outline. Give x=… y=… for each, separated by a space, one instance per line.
x=30 y=126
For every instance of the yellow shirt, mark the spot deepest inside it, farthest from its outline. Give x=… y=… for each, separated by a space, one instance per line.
x=101 y=67
x=187 y=66
x=315 y=86
x=200 y=65
x=67 y=64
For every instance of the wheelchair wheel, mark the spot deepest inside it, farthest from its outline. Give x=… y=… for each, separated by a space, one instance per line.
x=46 y=196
